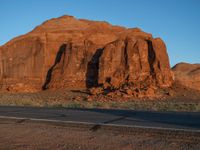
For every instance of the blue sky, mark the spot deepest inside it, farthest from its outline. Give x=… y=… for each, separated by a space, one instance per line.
x=177 y=22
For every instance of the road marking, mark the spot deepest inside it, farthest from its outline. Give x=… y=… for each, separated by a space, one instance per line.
x=103 y=124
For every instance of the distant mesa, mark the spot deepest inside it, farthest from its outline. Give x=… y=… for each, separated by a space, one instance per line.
x=188 y=75
x=66 y=52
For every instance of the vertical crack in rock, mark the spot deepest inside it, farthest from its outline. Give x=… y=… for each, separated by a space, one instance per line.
x=92 y=73
x=126 y=56
x=60 y=53
x=151 y=56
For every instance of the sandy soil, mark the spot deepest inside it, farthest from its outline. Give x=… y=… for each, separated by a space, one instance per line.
x=38 y=136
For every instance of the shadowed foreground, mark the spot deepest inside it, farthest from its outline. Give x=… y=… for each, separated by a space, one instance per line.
x=24 y=135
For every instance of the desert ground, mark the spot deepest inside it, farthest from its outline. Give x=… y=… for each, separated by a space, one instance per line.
x=31 y=136
x=183 y=99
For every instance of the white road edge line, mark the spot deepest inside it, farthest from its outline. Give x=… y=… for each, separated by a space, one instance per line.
x=89 y=123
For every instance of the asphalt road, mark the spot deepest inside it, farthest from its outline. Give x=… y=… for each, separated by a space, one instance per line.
x=146 y=119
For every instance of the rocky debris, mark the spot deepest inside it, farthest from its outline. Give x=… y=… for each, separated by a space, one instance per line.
x=188 y=75
x=96 y=90
x=67 y=52
x=128 y=92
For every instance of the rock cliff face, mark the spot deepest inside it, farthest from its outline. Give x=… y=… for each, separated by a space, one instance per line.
x=67 y=52
x=188 y=75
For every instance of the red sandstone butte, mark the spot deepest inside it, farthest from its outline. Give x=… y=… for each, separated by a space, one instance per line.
x=67 y=52
x=187 y=75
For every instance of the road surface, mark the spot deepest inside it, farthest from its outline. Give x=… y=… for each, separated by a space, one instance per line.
x=145 y=119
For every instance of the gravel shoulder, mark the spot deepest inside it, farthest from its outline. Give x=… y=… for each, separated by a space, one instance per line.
x=19 y=135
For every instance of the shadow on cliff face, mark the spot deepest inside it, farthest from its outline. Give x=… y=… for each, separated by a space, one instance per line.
x=59 y=55
x=151 y=56
x=92 y=73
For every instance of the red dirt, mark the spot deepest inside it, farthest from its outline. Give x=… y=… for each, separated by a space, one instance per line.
x=31 y=136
